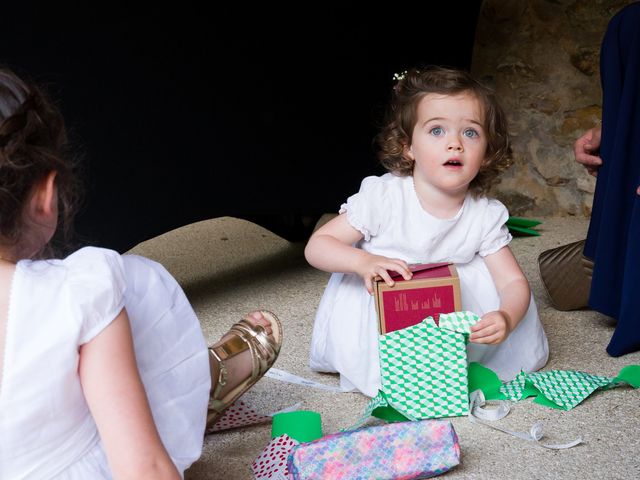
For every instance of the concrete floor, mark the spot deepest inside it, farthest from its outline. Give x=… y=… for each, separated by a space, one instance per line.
x=229 y=267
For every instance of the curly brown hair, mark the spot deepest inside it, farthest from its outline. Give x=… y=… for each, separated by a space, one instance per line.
x=33 y=143
x=401 y=118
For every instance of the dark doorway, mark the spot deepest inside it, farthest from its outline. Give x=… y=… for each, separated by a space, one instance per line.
x=261 y=112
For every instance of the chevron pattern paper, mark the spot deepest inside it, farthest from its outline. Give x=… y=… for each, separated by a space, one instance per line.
x=424 y=367
x=514 y=389
x=565 y=388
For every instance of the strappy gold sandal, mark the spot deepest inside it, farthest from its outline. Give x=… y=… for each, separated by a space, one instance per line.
x=264 y=351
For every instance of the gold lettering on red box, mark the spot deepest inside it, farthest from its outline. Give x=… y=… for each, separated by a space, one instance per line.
x=434 y=289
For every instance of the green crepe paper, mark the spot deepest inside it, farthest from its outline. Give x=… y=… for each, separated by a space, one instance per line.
x=485 y=379
x=530 y=390
x=389 y=414
x=301 y=425
x=630 y=375
x=545 y=402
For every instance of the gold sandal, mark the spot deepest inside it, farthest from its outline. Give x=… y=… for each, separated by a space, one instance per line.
x=264 y=351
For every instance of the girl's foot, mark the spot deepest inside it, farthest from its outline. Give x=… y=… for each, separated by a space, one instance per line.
x=241 y=358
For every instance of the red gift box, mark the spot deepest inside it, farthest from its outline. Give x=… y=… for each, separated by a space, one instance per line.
x=434 y=289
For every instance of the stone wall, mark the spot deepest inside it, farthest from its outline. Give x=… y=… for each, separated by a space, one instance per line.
x=542 y=58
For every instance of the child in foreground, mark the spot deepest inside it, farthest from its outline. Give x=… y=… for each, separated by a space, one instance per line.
x=444 y=143
x=104 y=370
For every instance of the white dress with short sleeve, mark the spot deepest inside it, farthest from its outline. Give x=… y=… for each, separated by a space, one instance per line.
x=388 y=213
x=55 y=306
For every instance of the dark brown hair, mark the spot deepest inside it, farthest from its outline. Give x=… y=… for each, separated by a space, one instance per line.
x=33 y=143
x=402 y=116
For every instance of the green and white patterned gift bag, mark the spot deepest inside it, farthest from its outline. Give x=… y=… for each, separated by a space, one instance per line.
x=424 y=368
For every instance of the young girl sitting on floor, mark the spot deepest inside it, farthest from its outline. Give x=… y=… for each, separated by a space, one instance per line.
x=445 y=142
x=104 y=371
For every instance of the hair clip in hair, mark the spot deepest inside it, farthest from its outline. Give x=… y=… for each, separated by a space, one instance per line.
x=399 y=76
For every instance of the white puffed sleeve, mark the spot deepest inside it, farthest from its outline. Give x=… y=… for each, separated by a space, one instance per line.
x=96 y=287
x=495 y=232
x=368 y=209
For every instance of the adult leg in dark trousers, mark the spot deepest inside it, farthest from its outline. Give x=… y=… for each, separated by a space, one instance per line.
x=613 y=240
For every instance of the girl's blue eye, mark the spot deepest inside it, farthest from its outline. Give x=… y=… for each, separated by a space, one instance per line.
x=470 y=133
x=437 y=131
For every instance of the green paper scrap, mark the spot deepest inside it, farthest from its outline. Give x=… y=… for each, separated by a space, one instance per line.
x=545 y=402
x=389 y=414
x=485 y=379
x=301 y=425
x=529 y=390
x=523 y=222
x=522 y=232
x=519 y=388
x=565 y=389
x=519 y=226
x=629 y=375
x=559 y=389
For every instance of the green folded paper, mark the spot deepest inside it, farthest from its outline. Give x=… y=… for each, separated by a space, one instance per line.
x=519 y=226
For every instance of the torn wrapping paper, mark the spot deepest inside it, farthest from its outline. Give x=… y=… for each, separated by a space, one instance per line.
x=407 y=450
x=272 y=462
x=424 y=368
x=565 y=388
x=562 y=389
x=241 y=414
x=289 y=429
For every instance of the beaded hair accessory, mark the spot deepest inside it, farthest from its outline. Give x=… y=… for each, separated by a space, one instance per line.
x=397 y=77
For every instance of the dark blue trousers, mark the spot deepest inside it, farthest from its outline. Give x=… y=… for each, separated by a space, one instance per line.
x=613 y=241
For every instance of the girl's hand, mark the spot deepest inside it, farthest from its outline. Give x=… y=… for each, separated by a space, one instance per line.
x=372 y=266
x=493 y=328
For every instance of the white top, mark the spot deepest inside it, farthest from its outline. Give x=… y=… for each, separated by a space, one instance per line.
x=55 y=306
x=388 y=213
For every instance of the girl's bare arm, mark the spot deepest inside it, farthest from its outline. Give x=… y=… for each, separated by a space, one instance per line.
x=515 y=295
x=118 y=403
x=331 y=249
